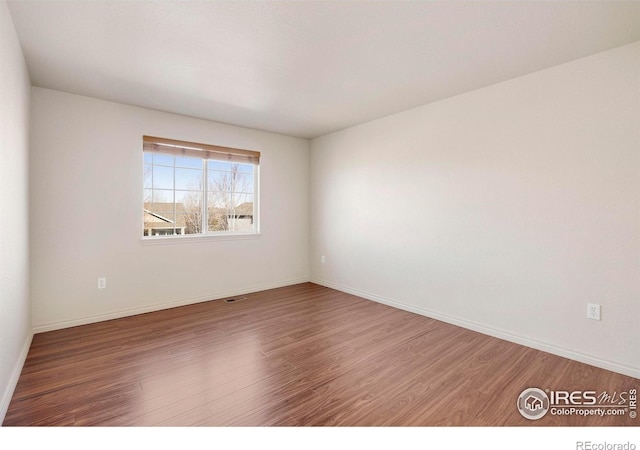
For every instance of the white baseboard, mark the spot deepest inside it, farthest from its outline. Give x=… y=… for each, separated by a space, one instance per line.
x=15 y=376
x=490 y=331
x=160 y=306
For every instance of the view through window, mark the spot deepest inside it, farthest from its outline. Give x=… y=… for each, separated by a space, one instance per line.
x=197 y=189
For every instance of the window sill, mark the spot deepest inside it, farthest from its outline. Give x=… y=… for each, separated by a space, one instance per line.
x=199 y=238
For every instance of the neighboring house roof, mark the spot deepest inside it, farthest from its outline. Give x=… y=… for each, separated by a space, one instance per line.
x=161 y=215
x=153 y=217
x=243 y=209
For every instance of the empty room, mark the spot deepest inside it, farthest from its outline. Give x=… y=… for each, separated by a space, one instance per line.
x=320 y=213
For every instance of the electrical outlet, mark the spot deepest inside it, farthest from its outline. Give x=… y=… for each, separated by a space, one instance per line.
x=323 y=259
x=593 y=311
x=102 y=283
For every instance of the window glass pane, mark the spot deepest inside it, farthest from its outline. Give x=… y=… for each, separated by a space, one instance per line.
x=158 y=223
x=229 y=166
x=194 y=163
x=160 y=196
x=148 y=178
x=228 y=200
x=148 y=158
x=247 y=168
x=180 y=195
x=217 y=220
x=244 y=203
x=180 y=224
x=217 y=199
x=230 y=212
x=165 y=160
x=189 y=179
x=162 y=177
x=189 y=223
x=189 y=199
x=230 y=181
x=217 y=180
x=190 y=208
x=160 y=211
x=218 y=165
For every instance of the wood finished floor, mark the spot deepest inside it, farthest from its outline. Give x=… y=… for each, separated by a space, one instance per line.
x=299 y=355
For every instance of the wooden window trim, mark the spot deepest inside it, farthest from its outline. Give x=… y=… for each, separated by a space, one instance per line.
x=198 y=150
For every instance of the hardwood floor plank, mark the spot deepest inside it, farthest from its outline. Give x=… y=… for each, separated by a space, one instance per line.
x=302 y=355
x=188 y=418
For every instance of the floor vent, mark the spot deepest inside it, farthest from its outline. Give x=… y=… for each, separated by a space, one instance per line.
x=235 y=299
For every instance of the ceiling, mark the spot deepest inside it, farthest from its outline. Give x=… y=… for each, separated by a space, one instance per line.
x=304 y=68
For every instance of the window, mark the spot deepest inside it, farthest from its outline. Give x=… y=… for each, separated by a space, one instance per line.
x=198 y=189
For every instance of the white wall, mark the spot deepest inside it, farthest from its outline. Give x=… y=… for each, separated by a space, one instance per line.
x=86 y=181
x=15 y=311
x=505 y=209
